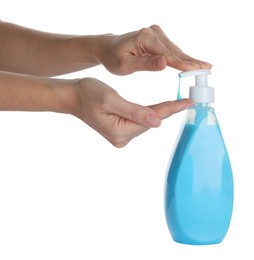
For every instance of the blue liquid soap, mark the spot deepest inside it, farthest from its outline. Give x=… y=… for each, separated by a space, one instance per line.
x=199 y=183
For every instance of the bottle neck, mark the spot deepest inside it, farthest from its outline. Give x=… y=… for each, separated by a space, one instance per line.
x=201 y=113
x=202 y=105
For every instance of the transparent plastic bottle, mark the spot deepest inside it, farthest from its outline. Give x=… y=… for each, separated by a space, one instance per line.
x=199 y=183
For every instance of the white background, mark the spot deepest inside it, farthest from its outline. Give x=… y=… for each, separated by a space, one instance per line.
x=66 y=193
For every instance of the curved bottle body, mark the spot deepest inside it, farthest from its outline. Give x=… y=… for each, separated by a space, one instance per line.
x=199 y=183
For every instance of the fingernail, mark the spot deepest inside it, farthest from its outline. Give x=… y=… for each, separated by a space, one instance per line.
x=209 y=65
x=153 y=120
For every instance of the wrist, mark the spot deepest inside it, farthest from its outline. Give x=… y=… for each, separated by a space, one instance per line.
x=64 y=95
x=96 y=48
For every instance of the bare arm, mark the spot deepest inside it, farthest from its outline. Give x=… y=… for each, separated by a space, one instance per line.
x=33 y=52
x=19 y=92
x=27 y=56
x=29 y=51
x=92 y=101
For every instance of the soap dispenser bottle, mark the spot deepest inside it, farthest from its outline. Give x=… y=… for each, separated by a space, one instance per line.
x=199 y=182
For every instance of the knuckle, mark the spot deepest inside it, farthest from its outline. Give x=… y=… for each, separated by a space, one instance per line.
x=137 y=114
x=144 y=32
x=155 y=27
x=134 y=115
x=106 y=98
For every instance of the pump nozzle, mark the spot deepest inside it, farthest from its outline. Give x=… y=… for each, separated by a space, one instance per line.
x=201 y=80
x=200 y=93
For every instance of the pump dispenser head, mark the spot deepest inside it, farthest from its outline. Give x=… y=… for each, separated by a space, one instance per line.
x=200 y=93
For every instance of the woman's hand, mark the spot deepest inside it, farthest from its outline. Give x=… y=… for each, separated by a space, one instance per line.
x=115 y=118
x=148 y=49
x=97 y=104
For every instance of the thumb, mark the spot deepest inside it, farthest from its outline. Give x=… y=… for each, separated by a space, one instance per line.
x=138 y=114
x=148 y=63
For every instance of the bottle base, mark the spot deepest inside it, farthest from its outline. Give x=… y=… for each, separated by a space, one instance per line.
x=197 y=243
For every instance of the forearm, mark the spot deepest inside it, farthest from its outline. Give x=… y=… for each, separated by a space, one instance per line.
x=28 y=51
x=30 y=93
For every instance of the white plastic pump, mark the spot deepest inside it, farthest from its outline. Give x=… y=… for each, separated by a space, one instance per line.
x=201 y=92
